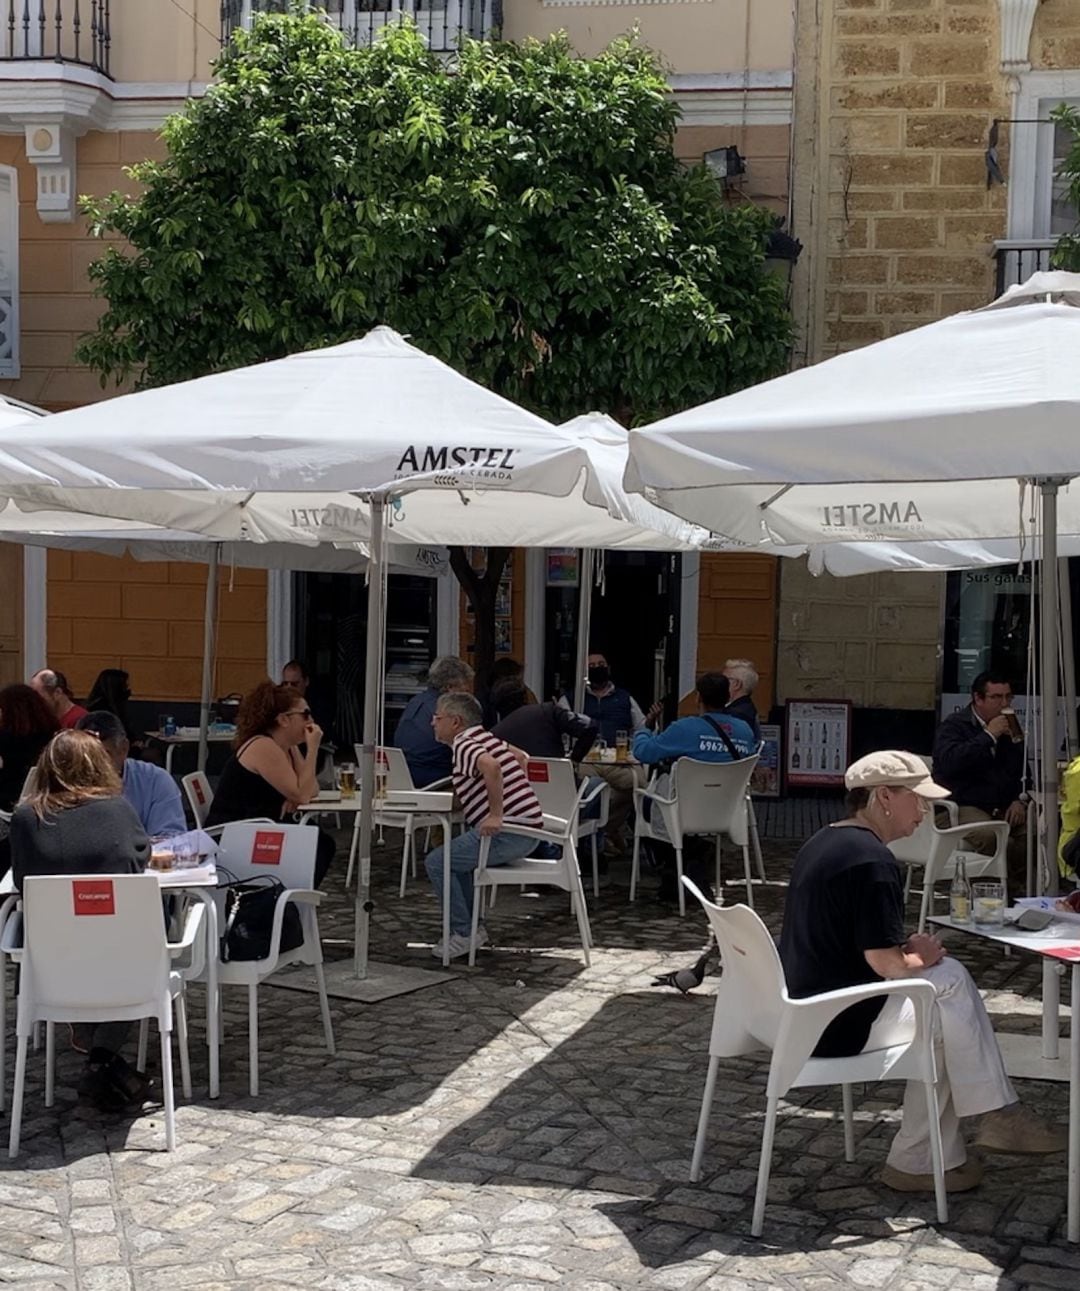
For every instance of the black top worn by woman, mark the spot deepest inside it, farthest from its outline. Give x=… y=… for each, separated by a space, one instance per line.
x=244 y=795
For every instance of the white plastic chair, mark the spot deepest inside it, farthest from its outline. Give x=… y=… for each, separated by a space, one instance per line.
x=391 y=763
x=754 y=1012
x=286 y=853
x=199 y=795
x=92 y=948
x=705 y=798
x=8 y=909
x=562 y=872
x=935 y=850
x=556 y=787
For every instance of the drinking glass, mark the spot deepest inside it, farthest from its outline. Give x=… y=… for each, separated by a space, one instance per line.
x=596 y=753
x=988 y=904
x=622 y=746
x=347 y=779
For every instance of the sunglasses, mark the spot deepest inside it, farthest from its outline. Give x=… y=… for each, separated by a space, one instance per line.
x=305 y=713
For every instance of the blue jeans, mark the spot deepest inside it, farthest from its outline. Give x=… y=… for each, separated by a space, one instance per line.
x=464 y=854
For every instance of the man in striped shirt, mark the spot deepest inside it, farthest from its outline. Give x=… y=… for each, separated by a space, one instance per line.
x=492 y=788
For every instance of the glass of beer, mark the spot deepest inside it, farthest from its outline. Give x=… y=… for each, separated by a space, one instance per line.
x=1016 y=731
x=622 y=746
x=347 y=779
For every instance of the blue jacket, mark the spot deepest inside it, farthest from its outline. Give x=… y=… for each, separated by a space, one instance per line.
x=428 y=759
x=611 y=712
x=694 y=737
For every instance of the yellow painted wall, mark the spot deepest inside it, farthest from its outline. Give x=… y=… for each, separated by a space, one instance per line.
x=147 y=617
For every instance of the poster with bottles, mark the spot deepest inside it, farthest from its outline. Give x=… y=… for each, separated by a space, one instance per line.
x=765 y=782
x=818 y=742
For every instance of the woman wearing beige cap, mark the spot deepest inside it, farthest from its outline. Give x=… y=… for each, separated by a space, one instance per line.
x=844 y=926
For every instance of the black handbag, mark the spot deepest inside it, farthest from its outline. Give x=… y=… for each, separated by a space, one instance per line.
x=249 y=920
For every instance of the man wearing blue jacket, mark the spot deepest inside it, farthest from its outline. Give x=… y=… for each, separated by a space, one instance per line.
x=711 y=736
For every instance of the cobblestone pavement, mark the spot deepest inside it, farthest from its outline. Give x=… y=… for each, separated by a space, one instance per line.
x=527 y=1124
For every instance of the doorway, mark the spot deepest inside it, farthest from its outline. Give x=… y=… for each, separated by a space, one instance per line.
x=635 y=623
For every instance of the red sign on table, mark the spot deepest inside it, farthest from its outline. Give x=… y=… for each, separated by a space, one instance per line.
x=537 y=772
x=93 y=896
x=267 y=848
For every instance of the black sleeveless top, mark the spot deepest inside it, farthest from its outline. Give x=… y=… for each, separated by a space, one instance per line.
x=242 y=794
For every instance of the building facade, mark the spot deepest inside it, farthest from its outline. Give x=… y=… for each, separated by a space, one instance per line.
x=83 y=92
x=909 y=115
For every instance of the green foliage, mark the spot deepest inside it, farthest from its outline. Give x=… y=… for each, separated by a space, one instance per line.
x=524 y=218
x=1066 y=254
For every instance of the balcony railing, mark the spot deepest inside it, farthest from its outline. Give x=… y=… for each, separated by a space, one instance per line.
x=1017 y=259
x=442 y=23
x=56 y=31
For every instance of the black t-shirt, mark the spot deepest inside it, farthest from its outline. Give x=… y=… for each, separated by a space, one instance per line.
x=845 y=897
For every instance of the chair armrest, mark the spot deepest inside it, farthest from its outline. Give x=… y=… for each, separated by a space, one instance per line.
x=527 y=831
x=950 y=808
x=11 y=939
x=594 y=792
x=192 y=927
x=804 y=1021
x=302 y=896
x=435 y=784
x=216 y=830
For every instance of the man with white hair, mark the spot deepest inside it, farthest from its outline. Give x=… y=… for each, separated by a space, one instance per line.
x=53 y=688
x=428 y=759
x=742 y=678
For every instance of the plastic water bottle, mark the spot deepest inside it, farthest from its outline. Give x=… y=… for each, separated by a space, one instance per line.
x=960 y=894
x=169 y=725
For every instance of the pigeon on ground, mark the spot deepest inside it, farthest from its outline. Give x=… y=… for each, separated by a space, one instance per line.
x=685 y=979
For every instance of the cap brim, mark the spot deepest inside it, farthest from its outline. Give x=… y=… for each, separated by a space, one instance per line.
x=928 y=789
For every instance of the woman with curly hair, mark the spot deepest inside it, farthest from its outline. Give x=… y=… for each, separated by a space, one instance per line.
x=268 y=775
x=27 y=724
x=76 y=822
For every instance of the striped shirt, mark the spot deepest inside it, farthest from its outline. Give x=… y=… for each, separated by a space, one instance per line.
x=520 y=804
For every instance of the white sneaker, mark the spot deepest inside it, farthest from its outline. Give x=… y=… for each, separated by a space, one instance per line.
x=459 y=945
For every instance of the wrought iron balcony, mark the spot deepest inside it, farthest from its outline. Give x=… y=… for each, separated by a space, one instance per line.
x=56 y=31
x=442 y=23
x=1016 y=259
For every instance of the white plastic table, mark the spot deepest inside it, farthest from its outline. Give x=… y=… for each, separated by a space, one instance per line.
x=435 y=803
x=187 y=735
x=202 y=884
x=1058 y=943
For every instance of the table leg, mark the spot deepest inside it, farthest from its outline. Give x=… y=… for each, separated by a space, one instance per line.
x=213 y=997
x=1051 y=1006
x=1073 y=1210
x=447 y=827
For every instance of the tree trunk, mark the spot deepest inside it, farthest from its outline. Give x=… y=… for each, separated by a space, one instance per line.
x=481 y=591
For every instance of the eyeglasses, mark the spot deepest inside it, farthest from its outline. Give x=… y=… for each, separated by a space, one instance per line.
x=305 y=713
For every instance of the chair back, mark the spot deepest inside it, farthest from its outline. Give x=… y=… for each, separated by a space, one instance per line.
x=712 y=796
x=28 y=784
x=286 y=852
x=199 y=795
x=398 y=775
x=93 y=941
x=753 y=991
x=555 y=786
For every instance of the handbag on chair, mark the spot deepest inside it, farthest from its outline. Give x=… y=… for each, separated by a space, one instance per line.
x=249 y=919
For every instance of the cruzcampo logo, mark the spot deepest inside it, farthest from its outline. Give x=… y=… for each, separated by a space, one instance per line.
x=871 y=515
x=476 y=463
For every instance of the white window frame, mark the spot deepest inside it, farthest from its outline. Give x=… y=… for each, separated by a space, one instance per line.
x=9 y=268
x=1031 y=151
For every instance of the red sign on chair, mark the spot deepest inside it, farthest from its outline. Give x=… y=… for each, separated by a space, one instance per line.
x=93 y=896
x=267 y=848
x=538 y=772
x=199 y=794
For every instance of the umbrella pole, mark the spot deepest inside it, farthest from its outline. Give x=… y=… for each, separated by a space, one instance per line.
x=1048 y=669
x=363 y=907
x=1068 y=658
x=213 y=566
x=588 y=564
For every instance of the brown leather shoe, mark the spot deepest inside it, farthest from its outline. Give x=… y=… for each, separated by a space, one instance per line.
x=961 y=1178
x=1016 y=1129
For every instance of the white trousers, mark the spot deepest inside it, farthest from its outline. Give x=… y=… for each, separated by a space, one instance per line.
x=971 y=1073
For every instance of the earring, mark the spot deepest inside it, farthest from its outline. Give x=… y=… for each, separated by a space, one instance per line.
x=887 y=811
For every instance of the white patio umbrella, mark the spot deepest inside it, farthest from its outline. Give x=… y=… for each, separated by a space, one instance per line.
x=351 y=426
x=872 y=445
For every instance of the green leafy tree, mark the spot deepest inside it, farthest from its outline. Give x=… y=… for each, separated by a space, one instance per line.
x=524 y=218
